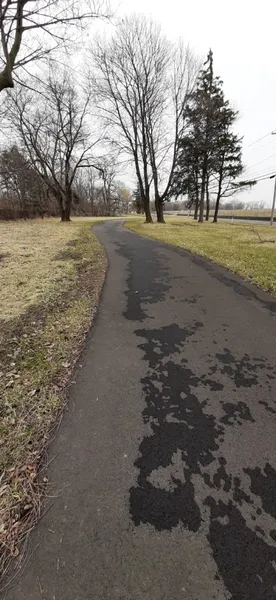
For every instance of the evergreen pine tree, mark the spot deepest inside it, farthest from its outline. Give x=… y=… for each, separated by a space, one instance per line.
x=210 y=153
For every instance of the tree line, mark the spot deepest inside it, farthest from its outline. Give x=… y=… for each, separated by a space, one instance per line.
x=25 y=195
x=141 y=98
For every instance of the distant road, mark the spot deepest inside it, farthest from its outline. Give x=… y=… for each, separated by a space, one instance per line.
x=253 y=221
x=246 y=221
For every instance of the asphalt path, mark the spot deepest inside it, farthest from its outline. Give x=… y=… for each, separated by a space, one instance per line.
x=163 y=480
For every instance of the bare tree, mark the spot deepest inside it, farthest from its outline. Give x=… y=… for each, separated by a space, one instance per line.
x=100 y=193
x=124 y=197
x=31 y=29
x=87 y=191
x=142 y=84
x=23 y=193
x=53 y=129
x=165 y=123
x=120 y=93
x=108 y=168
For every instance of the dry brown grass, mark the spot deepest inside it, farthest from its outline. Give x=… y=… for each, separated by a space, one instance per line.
x=29 y=268
x=62 y=268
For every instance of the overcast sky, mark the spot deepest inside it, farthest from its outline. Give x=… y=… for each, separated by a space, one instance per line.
x=243 y=39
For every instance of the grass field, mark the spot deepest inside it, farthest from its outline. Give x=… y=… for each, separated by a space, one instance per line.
x=248 y=250
x=239 y=213
x=51 y=276
x=244 y=213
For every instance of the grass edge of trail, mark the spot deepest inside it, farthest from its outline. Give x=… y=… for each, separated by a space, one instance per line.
x=38 y=354
x=240 y=252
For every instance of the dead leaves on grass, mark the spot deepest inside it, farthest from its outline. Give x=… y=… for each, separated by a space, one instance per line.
x=20 y=507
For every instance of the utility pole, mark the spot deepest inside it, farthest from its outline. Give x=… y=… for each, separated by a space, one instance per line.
x=274 y=195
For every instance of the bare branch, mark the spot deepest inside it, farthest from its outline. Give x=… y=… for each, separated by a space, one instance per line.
x=19 y=19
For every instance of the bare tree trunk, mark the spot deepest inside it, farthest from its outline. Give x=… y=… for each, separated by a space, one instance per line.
x=159 y=210
x=67 y=212
x=215 y=219
x=59 y=199
x=195 y=200
x=144 y=189
x=148 y=214
x=65 y=206
x=146 y=203
x=202 y=191
x=147 y=193
x=207 y=199
x=196 y=209
x=158 y=199
x=201 y=203
x=64 y=209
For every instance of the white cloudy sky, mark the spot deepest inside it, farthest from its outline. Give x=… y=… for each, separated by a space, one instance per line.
x=243 y=39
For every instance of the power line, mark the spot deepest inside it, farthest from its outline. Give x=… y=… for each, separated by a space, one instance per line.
x=259 y=140
x=262 y=178
x=251 y=177
x=259 y=162
x=261 y=173
x=264 y=145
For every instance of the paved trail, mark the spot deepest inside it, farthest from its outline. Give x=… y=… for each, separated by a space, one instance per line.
x=165 y=469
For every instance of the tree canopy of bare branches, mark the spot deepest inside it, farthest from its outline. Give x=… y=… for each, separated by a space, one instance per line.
x=32 y=29
x=142 y=83
x=53 y=129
